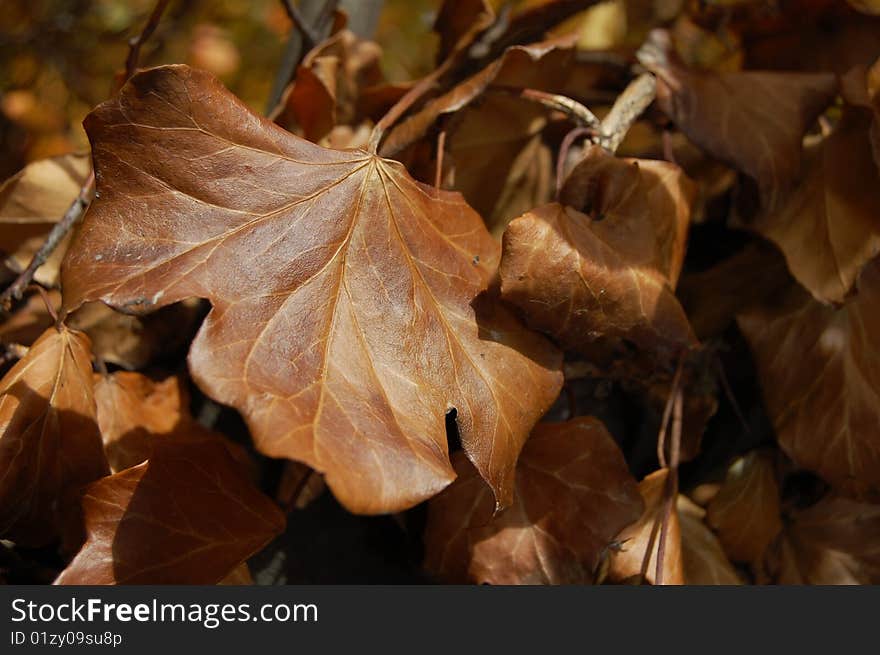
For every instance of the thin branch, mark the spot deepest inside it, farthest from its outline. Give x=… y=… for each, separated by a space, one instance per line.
x=564 y=150
x=637 y=96
x=568 y=106
x=441 y=146
x=671 y=489
x=315 y=18
x=667 y=412
x=135 y=44
x=15 y=290
x=408 y=100
x=309 y=37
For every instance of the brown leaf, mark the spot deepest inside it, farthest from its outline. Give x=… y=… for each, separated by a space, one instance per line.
x=49 y=440
x=836 y=541
x=753 y=120
x=552 y=66
x=30 y=320
x=134 y=341
x=329 y=83
x=828 y=227
x=459 y=22
x=601 y=280
x=344 y=323
x=240 y=575
x=485 y=145
x=820 y=377
x=866 y=6
x=188 y=515
x=132 y=411
x=626 y=561
x=746 y=511
x=31 y=202
x=573 y=493
x=703 y=559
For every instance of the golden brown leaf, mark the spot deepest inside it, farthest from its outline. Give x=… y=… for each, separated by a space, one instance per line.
x=134 y=341
x=132 y=411
x=552 y=66
x=49 y=440
x=753 y=120
x=820 y=377
x=627 y=559
x=349 y=312
x=329 y=83
x=599 y=280
x=188 y=515
x=746 y=511
x=31 y=202
x=573 y=494
x=703 y=559
x=834 y=542
x=828 y=227
x=459 y=22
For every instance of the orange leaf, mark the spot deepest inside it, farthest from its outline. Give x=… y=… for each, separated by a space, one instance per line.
x=189 y=515
x=753 y=120
x=49 y=440
x=600 y=280
x=349 y=306
x=573 y=493
x=820 y=377
x=746 y=510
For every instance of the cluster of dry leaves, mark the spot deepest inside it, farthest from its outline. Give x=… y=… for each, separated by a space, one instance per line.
x=493 y=298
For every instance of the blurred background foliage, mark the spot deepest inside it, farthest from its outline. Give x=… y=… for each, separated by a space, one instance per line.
x=58 y=58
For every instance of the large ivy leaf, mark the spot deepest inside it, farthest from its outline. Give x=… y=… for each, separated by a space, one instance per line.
x=349 y=313
x=574 y=493
x=49 y=440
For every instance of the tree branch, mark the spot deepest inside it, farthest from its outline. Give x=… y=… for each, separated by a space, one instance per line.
x=77 y=208
x=135 y=44
x=627 y=108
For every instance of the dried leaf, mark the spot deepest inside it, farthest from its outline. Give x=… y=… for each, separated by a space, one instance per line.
x=834 y=542
x=189 y=515
x=30 y=320
x=349 y=312
x=329 y=83
x=754 y=121
x=49 y=440
x=866 y=6
x=132 y=342
x=703 y=559
x=820 y=377
x=573 y=493
x=485 y=145
x=599 y=281
x=746 y=511
x=552 y=66
x=829 y=226
x=31 y=202
x=626 y=561
x=241 y=575
x=132 y=411
x=459 y=22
